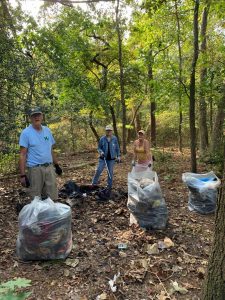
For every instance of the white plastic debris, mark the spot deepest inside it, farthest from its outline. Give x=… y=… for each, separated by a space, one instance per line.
x=112 y=282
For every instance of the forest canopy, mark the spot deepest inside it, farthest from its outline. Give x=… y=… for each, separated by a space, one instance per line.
x=155 y=65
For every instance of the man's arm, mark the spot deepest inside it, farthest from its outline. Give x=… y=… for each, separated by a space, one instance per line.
x=58 y=170
x=22 y=160
x=118 y=148
x=54 y=157
x=100 y=146
x=22 y=166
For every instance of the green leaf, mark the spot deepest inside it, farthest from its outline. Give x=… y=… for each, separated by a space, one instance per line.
x=12 y=296
x=19 y=282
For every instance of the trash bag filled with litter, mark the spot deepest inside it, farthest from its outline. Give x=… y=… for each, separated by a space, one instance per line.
x=145 y=201
x=44 y=231
x=202 y=191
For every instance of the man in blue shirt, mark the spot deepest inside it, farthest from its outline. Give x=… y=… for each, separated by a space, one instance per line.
x=109 y=151
x=37 y=155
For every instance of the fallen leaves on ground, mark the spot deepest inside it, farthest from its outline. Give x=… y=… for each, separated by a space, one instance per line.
x=162 y=265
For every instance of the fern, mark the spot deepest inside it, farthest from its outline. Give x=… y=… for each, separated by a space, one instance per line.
x=8 y=290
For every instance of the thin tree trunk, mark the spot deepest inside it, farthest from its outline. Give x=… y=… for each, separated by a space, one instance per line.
x=92 y=126
x=135 y=123
x=211 y=104
x=192 y=90
x=122 y=94
x=203 y=129
x=217 y=134
x=152 y=100
x=114 y=122
x=72 y=132
x=180 y=78
x=214 y=285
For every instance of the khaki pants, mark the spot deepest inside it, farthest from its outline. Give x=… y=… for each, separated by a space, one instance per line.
x=42 y=182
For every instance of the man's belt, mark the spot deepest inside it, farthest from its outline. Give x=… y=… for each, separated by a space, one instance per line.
x=42 y=165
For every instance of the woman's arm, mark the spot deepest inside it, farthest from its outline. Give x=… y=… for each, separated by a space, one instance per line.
x=147 y=149
x=134 y=151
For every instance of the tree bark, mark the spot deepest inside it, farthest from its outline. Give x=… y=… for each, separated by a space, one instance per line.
x=122 y=94
x=114 y=122
x=192 y=90
x=135 y=123
x=203 y=129
x=152 y=100
x=92 y=127
x=211 y=103
x=180 y=78
x=214 y=285
x=72 y=133
x=217 y=134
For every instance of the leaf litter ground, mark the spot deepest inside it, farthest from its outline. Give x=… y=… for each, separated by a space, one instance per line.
x=162 y=265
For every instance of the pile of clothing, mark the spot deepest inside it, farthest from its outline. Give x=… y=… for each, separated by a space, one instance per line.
x=202 y=191
x=44 y=231
x=145 y=201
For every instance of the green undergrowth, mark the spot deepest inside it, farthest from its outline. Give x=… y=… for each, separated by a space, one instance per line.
x=14 y=289
x=8 y=163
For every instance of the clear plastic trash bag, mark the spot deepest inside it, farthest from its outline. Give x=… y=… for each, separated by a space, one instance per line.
x=44 y=231
x=145 y=201
x=202 y=191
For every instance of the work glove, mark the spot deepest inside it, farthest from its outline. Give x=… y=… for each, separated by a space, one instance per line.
x=118 y=159
x=24 y=181
x=58 y=170
x=133 y=163
x=102 y=155
x=149 y=165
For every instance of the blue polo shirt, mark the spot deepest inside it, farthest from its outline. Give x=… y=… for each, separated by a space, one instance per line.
x=38 y=144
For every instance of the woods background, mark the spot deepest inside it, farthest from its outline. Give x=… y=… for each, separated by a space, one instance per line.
x=156 y=65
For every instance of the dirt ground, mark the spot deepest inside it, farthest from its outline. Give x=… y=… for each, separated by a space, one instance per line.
x=176 y=272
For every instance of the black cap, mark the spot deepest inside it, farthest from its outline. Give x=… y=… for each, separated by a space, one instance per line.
x=35 y=110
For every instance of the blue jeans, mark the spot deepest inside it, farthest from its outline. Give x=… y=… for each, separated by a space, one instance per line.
x=101 y=166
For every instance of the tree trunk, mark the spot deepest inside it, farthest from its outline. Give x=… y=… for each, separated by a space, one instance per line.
x=103 y=83
x=122 y=94
x=72 y=134
x=214 y=285
x=152 y=100
x=203 y=129
x=180 y=78
x=114 y=122
x=217 y=134
x=211 y=104
x=92 y=127
x=135 y=123
x=192 y=90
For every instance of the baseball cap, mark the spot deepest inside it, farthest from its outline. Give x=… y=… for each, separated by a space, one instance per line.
x=141 y=131
x=109 y=127
x=35 y=110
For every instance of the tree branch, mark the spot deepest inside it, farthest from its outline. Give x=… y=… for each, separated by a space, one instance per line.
x=96 y=37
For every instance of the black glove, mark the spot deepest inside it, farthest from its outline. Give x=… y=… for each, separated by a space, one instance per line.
x=58 y=170
x=149 y=165
x=153 y=157
x=24 y=181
